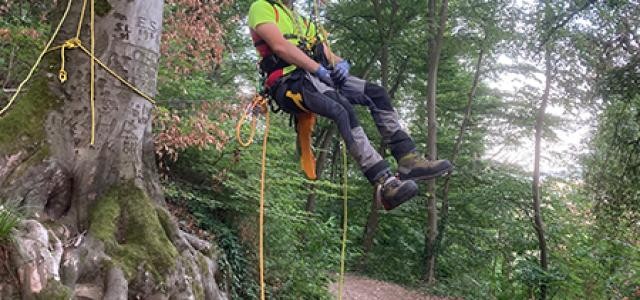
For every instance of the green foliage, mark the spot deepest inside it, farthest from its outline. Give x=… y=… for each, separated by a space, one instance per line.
x=614 y=166
x=22 y=37
x=55 y=290
x=9 y=218
x=612 y=172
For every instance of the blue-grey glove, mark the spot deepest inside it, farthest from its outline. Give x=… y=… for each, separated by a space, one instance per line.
x=323 y=75
x=340 y=72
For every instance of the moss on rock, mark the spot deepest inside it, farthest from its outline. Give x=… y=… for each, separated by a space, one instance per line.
x=22 y=127
x=198 y=290
x=55 y=291
x=126 y=220
x=102 y=7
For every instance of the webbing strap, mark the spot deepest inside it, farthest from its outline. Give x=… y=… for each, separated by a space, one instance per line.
x=287 y=36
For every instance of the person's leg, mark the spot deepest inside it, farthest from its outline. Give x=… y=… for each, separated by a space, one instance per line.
x=410 y=164
x=325 y=101
x=359 y=91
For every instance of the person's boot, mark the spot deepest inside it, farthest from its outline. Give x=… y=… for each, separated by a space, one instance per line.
x=392 y=191
x=414 y=167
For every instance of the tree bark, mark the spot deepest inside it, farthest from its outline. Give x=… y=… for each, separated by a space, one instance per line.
x=539 y=127
x=95 y=213
x=321 y=164
x=437 y=27
x=444 y=214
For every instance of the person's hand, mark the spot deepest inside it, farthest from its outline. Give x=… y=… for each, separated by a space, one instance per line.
x=323 y=75
x=340 y=72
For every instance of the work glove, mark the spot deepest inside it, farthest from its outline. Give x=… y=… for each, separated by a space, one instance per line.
x=323 y=75
x=340 y=72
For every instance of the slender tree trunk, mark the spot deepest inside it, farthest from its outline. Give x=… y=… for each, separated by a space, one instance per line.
x=434 y=45
x=444 y=214
x=539 y=127
x=321 y=164
x=371 y=226
x=372 y=219
x=96 y=226
x=370 y=229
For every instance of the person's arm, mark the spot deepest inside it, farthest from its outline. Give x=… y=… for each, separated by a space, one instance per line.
x=270 y=33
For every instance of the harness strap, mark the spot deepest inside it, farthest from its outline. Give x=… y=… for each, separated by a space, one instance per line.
x=287 y=36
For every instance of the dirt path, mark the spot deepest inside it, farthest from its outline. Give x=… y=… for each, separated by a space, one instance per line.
x=362 y=288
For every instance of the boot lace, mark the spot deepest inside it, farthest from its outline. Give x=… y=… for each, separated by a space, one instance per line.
x=391 y=183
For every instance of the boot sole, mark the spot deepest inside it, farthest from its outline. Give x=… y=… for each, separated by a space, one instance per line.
x=406 y=196
x=428 y=177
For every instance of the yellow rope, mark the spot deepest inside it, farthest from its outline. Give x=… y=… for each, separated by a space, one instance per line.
x=92 y=95
x=257 y=101
x=122 y=80
x=262 y=103
x=74 y=43
x=35 y=65
x=84 y=9
x=345 y=227
x=263 y=173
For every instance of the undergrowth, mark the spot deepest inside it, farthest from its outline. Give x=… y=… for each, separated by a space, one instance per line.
x=9 y=218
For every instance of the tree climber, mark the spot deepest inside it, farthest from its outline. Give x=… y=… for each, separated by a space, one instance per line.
x=296 y=61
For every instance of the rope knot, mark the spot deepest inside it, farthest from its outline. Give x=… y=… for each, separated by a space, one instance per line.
x=72 y=43
x=68 y=44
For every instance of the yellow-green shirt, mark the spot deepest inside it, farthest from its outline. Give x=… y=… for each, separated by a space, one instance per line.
x=263 y=11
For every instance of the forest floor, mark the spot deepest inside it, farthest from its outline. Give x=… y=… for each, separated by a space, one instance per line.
x=363 y=288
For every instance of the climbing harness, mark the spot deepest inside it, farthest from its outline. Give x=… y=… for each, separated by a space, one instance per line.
x=76 y=43
x=276 y=70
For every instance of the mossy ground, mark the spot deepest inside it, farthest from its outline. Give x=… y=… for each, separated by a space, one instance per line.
x=126 y=220
x=22 y=127
x=55 y=291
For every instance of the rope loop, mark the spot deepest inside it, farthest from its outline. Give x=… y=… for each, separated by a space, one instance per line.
x=62 y=75
x=258 y=106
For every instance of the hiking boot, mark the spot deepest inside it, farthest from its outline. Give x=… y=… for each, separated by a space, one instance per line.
x=392 y=191
x=414 y=167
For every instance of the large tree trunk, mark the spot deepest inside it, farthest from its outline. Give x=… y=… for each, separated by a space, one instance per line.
x=436 y=25
x=96 y=226
x=538 y=224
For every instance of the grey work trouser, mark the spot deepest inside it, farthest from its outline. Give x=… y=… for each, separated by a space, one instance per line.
x=324 y=100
